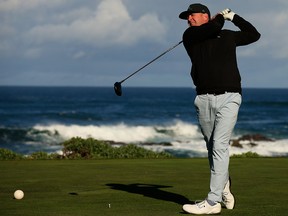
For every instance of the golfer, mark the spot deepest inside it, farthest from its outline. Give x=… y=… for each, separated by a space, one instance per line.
x=215 y=74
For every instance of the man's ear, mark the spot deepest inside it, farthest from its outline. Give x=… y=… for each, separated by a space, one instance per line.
x=206 y=17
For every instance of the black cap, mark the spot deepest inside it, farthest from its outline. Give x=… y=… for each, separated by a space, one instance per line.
x=194 y=8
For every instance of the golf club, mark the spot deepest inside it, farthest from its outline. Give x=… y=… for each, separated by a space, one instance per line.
x=117 y=85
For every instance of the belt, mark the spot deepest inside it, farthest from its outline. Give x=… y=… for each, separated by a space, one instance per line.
x=215 y=93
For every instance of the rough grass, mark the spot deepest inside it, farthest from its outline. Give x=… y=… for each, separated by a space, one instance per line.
x=137 y=187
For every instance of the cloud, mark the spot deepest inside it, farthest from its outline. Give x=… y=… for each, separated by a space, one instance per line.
x=33 y=53
x=6 y=31
x=79 y=55
x=110 y=25
x=274 y=39
x=20 y=5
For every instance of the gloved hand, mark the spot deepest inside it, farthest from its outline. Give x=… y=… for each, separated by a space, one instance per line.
x=228 y=14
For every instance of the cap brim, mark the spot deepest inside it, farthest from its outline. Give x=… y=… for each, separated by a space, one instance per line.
x=184 y=15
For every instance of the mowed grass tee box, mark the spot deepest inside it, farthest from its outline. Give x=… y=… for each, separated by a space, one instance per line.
x=137 y=186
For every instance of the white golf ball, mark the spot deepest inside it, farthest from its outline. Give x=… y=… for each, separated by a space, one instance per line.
x=18 y=194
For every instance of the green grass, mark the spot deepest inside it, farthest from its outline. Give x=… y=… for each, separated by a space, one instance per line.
x=137 y=187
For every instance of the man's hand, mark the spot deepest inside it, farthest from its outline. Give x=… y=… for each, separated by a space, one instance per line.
x=228 y=14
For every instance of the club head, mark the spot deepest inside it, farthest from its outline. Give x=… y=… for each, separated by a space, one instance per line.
x=118 y=88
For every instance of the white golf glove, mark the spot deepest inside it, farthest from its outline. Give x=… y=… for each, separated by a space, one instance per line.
x=228 y=14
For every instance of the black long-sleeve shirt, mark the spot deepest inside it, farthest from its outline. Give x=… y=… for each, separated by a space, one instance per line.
x=213 y=54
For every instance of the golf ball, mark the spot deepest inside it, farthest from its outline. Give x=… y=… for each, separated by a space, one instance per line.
x=18 y=194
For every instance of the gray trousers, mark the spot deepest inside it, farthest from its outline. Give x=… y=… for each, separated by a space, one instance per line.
x=217 y=116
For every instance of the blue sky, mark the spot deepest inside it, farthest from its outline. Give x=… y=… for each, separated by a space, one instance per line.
x=99 y=42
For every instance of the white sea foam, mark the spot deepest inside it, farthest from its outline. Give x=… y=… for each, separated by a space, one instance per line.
x=125 y=133
x=186 y=138
x=264 y=148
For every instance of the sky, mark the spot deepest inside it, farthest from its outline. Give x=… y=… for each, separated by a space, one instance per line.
x=98 y=42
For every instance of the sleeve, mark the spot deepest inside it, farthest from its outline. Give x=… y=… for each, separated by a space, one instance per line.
x=247 y=34
x=205 y=31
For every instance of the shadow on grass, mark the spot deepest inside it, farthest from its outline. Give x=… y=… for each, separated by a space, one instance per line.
x=153 y=191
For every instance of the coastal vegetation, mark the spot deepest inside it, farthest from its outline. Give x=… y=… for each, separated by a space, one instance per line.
x=79 y=148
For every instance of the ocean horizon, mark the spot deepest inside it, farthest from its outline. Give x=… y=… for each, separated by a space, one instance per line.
x=41 y=118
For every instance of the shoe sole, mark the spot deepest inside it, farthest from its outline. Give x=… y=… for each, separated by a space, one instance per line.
x=187 y=212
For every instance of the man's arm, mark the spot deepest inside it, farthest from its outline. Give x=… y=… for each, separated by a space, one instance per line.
x=248 y=33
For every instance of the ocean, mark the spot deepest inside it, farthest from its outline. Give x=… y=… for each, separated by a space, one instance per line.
x=162 y=119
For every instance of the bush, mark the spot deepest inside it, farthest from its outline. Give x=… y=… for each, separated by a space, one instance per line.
x=247 y=155
x=133 y=151
x=77 y=148
x=43 y=156
x=6 y=154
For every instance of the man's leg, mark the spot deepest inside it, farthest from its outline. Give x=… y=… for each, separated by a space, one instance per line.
x=227 y=106
x=206 y=113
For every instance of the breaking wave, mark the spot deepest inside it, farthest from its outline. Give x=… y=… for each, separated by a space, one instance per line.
x=181 y=139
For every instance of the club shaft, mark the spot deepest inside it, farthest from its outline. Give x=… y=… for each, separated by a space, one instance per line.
x=168 y=50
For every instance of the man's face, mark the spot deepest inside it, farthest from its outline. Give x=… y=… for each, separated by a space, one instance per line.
x=197 y=19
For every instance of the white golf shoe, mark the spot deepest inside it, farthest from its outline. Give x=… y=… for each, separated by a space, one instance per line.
x=202 y=208
x=228 y=198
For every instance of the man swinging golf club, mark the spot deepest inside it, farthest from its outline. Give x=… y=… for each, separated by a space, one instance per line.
x=215 y=74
